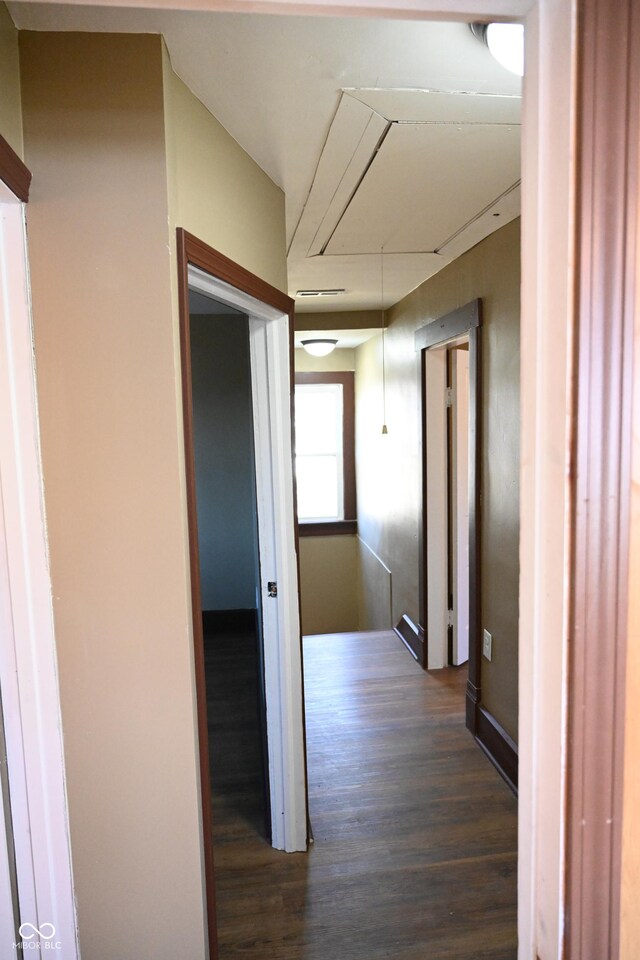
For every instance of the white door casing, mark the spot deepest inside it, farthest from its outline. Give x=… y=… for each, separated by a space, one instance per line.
x=435 y=374
x=460 y=503
x=28 y=668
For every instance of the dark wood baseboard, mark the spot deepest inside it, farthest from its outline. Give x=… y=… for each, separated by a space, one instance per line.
x=332 y=528
x=412 y=636
x=234 y=621
x=498 y=746
x=472 y=705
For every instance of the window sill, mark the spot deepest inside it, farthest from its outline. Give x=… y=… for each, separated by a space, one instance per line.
x=327 y=528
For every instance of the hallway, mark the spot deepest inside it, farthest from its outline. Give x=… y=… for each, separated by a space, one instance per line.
x=415 y=832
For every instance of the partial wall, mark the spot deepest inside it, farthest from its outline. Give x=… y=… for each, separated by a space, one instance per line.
x=100 y=114
x=104 y=343
x=328 y=584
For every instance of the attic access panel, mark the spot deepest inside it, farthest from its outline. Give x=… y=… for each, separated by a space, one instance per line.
x=425 y=183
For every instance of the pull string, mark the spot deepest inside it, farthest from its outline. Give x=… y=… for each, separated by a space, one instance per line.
x=384 y=367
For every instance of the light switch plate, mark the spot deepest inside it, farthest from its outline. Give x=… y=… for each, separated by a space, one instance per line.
x=487 y=641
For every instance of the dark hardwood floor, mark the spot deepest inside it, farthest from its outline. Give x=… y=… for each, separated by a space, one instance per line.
x=415 y=833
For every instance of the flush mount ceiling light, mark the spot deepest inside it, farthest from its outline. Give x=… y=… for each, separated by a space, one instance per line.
x=505 y=42
x=319 y=348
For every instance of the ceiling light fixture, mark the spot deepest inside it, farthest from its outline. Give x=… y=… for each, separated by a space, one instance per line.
x=319 y=348
x=505 y=42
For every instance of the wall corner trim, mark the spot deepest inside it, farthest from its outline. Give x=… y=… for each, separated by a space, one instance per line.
x=499 y=747
x=413 y=637
x=13 y=171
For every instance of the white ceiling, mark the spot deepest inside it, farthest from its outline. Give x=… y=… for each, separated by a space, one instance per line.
x=385 y=163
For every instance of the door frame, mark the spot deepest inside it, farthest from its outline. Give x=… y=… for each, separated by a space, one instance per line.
x=270 y=315
x=37 y=803
x=464 y=322
x=458 y=496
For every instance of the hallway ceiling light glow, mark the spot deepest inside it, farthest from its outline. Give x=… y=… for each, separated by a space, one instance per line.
x=505 y=42
x=319 y=348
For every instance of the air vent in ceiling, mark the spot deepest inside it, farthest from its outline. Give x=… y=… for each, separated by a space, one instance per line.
x=320 y=293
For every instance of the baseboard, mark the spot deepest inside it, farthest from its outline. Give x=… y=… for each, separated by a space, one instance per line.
x=234 y=621
x=413 y=638
x=498 y=746
x=472 y=705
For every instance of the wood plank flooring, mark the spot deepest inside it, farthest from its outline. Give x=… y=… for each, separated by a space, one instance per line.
x=415 y=833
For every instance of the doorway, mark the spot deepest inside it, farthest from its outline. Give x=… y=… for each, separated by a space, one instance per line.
x=269 y=313
x=449 y=571
x=229 y=561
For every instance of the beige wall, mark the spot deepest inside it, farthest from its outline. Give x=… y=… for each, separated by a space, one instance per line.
x=340 y=359
x=97 y=130
x=339 y=320
x=389 y=467
x=10 y=109
x=217 y=192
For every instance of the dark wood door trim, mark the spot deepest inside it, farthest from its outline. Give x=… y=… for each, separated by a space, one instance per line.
x=465 y=320
x=199 y=254
x=191 y=251
x=607 y=201
x=13 y=171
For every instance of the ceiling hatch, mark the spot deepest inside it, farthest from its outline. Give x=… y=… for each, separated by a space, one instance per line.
x=412 y=172
x=418 y=191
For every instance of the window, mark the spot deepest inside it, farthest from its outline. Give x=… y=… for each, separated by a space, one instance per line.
x=325 y=456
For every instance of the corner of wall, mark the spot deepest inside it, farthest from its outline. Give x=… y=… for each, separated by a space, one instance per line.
x=217 y=191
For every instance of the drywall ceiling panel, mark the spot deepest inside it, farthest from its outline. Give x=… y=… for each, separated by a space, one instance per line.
x=360 y=277
x=432 y=106
x=348 y=184
x=425 y=167
x=505 y=209
x=351 y=142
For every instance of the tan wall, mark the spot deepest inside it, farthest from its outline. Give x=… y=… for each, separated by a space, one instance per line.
x=329 y=584
x=342 y=359
x=389 y=467
x=217 y=192
x=106 y=364
x=339 y=320
x=10 y=108
x=374 y=590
